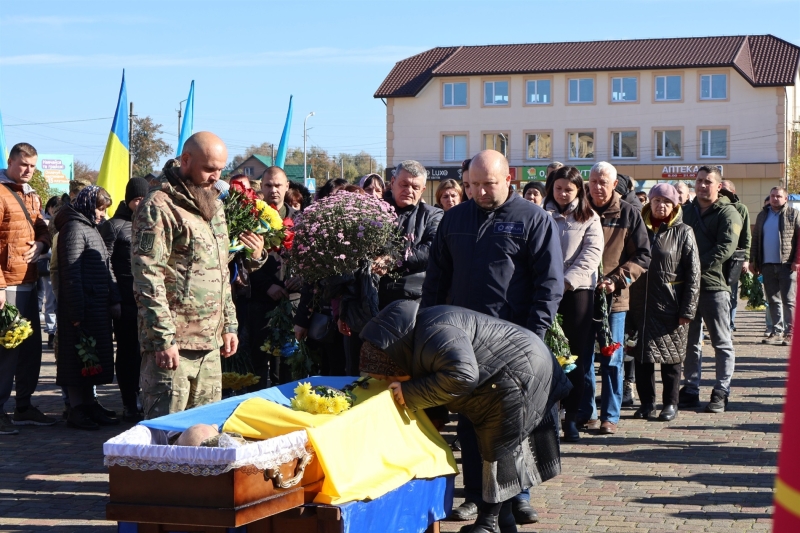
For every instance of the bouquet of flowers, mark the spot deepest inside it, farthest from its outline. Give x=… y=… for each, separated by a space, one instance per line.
x=87 y=352
x=607 y=345
x=282 y=342
x=321 y=400
x=244 y=211
x=755 y=300
x=336 y=234
x=559 y=345
x=13 y=328
x=236 y=381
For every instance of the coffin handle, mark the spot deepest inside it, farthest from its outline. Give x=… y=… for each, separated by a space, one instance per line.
x=275 y=475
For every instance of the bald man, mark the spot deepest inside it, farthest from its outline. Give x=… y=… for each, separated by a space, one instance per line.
x=500 y=255
x=186 y=316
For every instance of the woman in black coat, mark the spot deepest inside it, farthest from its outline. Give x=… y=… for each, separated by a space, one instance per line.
x=499 y=375
x=664 y=302
x=88 y=297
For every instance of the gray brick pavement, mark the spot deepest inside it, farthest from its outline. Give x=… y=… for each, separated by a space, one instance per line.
x=700 y=472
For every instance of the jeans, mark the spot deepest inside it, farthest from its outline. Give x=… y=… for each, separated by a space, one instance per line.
x=45 y=292
x=734 y=301
x=22 y=364
x=610 y=377
x=472 y=464
x=713 y=309
x=780 y=290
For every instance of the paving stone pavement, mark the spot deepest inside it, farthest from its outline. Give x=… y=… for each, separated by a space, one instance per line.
x=700 y=472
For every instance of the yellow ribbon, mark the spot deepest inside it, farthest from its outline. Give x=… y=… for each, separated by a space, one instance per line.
x=787 y=497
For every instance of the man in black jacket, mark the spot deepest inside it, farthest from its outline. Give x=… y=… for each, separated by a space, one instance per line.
x=500 y=255
x=117 y=235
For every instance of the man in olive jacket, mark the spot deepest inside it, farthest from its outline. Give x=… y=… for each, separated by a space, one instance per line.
x=717 y=226
x=181 y=282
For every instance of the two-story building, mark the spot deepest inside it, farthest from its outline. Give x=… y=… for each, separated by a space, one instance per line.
x=655 y=108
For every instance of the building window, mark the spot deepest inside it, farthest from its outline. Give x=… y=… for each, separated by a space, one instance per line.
x=537 y=92
x=713 y=143
x=714 y=87
x=455 y=94
x=668 y=143
x=624 y=144
x=581 y=145
x=496 y=141
x=248 y=171
x=540 y=146
x=581 y=90
x=668 y=88
x=455 y=147
x=623 y=90
x=495 y=93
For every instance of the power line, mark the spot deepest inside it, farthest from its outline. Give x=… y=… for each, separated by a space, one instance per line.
x=57 y=122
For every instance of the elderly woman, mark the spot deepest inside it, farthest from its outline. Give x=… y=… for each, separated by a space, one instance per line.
x=501 y=376
x=664 y=301
x=582 y=247
x=448 y=194
x=534 y=192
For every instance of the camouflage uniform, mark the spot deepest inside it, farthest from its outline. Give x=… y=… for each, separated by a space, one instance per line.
x=182 y=290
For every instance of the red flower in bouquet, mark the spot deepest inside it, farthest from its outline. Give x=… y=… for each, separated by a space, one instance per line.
x=288 y=224
x=248 y=192
x=607 y=347
x=609 y=350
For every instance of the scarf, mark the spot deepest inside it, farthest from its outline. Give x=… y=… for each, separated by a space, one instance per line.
x=86 y=202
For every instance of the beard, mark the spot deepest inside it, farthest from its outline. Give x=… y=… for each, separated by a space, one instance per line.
x=206 y=198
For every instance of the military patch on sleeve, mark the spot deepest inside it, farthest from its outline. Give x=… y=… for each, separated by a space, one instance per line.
x=146 y=241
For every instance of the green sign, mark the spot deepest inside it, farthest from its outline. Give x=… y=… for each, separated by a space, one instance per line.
x=540 y=173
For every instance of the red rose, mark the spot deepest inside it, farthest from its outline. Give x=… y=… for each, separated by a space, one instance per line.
x=608 y=351
x=84 y=372
x=288 y=222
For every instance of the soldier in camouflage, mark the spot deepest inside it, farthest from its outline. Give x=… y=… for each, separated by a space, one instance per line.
x=186 y=316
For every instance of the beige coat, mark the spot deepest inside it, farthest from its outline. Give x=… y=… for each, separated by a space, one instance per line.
x=581 y=246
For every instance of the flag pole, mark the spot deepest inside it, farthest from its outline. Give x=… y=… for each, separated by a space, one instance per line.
x=130 y=152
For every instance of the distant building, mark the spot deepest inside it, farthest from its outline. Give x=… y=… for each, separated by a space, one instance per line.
x=655 y=108
x=255 y=165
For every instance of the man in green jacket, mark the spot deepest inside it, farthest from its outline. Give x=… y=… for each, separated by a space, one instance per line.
x=181 y=283
x=745 y=237
x=717 y=226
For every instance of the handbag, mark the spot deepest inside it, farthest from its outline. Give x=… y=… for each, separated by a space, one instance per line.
x=322 y=328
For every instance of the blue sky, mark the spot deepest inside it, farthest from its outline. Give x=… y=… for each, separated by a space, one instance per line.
x=62 y=61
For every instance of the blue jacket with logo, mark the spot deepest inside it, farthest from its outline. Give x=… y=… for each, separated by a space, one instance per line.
x=505 y=263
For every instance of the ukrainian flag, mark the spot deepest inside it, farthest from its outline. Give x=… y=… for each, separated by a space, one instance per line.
x=115 y=169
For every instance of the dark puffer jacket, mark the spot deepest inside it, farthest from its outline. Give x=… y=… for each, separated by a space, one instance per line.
x=116 y=234
x=669 y=290
x=501 y=376
x=86 y=289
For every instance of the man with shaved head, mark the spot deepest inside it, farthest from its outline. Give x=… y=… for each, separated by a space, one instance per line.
x=498 y=254
x=181 y=283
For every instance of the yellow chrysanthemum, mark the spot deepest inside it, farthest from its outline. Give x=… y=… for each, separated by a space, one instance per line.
x=271 y=216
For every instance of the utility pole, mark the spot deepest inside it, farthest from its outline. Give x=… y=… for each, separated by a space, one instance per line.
x=273 y=153
x=130 y=136
x=305 y=138
x=180 y=104
x=341 y=162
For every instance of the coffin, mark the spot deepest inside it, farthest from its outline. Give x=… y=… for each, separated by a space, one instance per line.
x=152 y=482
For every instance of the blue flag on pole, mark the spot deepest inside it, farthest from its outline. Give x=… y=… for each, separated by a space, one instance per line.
x=281 y=157
x=3 y=148
x=187 y=126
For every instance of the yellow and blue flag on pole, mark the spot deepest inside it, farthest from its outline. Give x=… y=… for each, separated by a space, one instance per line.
x=115 y=169
x=280 y=159
x=3 y=148
x=188 y=121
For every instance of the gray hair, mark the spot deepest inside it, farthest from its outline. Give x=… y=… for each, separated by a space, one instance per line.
x=414 y=168
x=555 y=165
x=682 y=184
x=604 y=168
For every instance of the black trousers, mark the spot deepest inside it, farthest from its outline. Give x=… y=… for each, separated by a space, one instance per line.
x=577 y=307
x=129 y=359
x=646 y=382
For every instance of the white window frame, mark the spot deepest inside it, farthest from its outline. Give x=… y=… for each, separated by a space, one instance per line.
x=247 y=171
x=577 y=134
x=452 y=138
x=666 y=97
x=616 y=137
x=578 y=91
x=538 y=94
x=451 y=86
x=711 y=86
x=705 y=141
x=493 y=83
x=497 y=135
x=655 y=144
x=621 y=80
x=528 y=135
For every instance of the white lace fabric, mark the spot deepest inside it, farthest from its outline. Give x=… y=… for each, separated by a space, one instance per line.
x=141 y=448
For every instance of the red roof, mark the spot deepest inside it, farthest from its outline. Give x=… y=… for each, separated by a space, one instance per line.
x=763 y=60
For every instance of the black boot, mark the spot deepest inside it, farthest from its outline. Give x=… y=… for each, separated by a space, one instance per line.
x=465 y=511
x=80 y=418
x=668 y=413
x=645 y=411
x=523 y=512
x=485 y=523
x=571 y=433
x=99 y=415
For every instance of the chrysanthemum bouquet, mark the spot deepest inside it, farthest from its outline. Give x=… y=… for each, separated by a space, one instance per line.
x=13 y=328
x=87 y=352
x=321 y=400
x=559 y=345
x=753 y=290
x=281 y=341
x=244 y=211
x=336 y=234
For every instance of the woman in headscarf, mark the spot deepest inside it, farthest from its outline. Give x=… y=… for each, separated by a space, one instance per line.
x=373 y=184
x=499 y=375
x=88 y=299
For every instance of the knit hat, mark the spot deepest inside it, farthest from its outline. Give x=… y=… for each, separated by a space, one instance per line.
x=665 y=190
x=375 y=361
x=623 y=184
x=136 y=188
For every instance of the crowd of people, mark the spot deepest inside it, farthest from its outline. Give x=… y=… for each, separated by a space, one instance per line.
x=486 y=258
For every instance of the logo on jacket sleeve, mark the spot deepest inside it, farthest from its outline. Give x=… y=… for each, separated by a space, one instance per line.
x=146 y=241
x=510 y=228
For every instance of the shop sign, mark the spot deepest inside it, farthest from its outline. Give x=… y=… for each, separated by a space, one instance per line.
x=444 y=173
x=682 y=172
x=57 y=170
x=540 y=173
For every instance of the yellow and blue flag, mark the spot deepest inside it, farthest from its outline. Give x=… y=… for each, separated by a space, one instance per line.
x=280 y=159
x=3 y=148
x=188 y=121
x=115 y=169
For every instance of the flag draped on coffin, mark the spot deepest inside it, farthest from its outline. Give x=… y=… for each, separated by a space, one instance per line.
x=115 y=169
x=786 y=518
x=282 y=147
x=3 y=148
x=187 y=127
